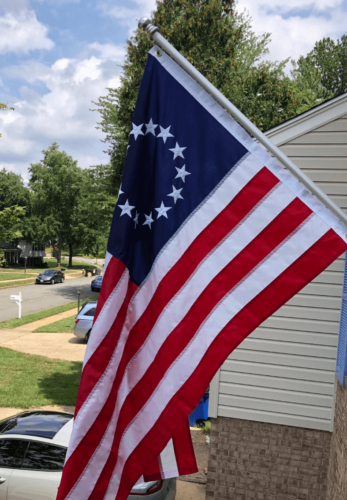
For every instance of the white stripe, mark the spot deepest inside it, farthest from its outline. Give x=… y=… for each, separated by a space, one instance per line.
x=101 y=327
x=171 y=254
x=187 y=362
x=108 y=257
x=107 y=315
x=168 y=461
x=172 y=315
x=242 y=136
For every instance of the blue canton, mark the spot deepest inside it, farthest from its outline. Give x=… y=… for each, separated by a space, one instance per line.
x=177 y=154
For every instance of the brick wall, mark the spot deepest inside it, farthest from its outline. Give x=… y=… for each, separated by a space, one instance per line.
x=337 y=483
x=253 y=460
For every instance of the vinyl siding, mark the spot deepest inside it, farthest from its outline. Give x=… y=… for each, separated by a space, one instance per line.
x=284 y=372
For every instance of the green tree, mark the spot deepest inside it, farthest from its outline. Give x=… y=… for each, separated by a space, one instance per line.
x=322 y=73
x=56 y=183
x=223 y=47
x=9 y=221
x=93 y=214
x=12 y=190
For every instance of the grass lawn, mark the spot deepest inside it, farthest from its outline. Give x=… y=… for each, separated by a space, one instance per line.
x=14 y=283
x=14 y=276
x=29 y=318
x=29 y=381
x=65 y=325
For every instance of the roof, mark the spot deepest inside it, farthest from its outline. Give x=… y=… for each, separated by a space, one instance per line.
x=315 y=117
x=44 y=424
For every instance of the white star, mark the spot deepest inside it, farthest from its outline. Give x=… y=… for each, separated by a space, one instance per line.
x=182 y=173
x=162 y=210
x=137 y=130
x=126 y=209
x=149 y=220
x=120 y=191
x=177 y=151
x=165 y=133
x=150 y=127
x=176 y=194
x=136 y=218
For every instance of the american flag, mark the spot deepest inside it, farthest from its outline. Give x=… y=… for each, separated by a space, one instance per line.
x=210 y=236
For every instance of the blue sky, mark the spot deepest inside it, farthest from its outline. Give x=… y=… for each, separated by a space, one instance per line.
x=57 y=56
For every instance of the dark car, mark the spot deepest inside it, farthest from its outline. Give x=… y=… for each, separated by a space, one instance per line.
x=96 y=284
x=50 y=277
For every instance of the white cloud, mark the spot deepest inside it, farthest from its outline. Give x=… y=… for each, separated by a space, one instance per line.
x=108 y=51
x=63 y=113
x=295 y=26
x=22 y=32
x=129 y=15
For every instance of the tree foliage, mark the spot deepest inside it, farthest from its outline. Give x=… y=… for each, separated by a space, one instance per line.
x=9 y=221
x=322 y=73
x=223 y=47
x=56 y=183
x=12 y=190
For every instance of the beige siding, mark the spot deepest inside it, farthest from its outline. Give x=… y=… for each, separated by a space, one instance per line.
x=285 y=371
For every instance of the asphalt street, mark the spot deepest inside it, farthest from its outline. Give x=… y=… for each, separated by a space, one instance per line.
x=39 y=297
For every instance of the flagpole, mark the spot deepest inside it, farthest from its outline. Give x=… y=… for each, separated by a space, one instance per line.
x=155 y=35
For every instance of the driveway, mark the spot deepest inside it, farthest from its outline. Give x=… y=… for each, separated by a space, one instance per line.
x=39 y=297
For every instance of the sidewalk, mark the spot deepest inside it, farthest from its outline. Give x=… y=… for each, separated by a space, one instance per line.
x=63 y=346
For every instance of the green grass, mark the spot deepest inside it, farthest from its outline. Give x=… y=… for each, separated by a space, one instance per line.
x=65 y=325
x=30 y=381
x=13 y=276
x=14 y=283
x=29 y=318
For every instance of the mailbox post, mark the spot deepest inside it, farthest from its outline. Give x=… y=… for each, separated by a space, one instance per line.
x=18 y=300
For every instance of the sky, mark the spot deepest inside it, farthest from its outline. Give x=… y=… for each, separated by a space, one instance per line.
x=58 y=56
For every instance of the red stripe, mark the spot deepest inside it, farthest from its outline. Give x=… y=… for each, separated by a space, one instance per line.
x=83 y=453
x=113 y=274
x=304 y=270
x=184 y=450
x=274 y=234
x=227 y=220
x=184 y=454
x=93 y=371
x=152 y=471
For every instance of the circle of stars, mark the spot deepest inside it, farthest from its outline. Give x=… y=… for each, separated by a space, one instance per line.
x=182 y=173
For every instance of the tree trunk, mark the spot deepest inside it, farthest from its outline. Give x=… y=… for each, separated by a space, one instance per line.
x=70 y=254
x=60 y=244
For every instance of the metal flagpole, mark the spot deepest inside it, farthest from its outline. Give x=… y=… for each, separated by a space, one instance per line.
x=155 y=35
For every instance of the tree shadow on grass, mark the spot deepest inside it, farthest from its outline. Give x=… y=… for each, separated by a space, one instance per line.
x=61 y=388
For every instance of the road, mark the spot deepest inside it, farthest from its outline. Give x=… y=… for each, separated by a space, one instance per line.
x=39 y=297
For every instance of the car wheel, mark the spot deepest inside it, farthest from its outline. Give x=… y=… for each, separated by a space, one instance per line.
x=52 y=282
x=87 y=336
x=62 y=280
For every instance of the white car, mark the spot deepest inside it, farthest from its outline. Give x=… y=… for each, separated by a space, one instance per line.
x=32 y=453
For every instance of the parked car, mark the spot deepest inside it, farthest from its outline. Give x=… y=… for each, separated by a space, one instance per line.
x=84 y=321
x=32 y=454
x=96 y=284
x=51 y=277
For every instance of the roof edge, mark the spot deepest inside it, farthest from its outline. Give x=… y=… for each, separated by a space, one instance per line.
x=309 y=120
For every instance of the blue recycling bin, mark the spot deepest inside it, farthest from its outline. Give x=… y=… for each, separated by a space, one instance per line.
x=200 y=412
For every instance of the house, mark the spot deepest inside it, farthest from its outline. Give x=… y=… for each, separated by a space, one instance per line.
x=273 y=402
x=16 y=253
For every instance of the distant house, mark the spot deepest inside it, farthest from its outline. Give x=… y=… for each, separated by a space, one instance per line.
x=16 y=253
x=278 y=411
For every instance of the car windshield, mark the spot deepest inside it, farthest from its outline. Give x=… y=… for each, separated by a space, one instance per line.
x=48 y=273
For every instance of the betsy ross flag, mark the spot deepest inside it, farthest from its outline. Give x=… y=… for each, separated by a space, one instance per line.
x=210 y=236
